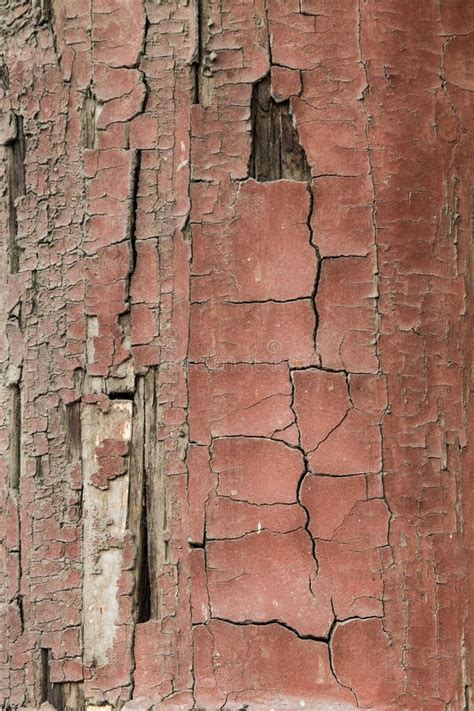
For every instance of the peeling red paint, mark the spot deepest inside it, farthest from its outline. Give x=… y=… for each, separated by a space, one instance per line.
x=236 y=355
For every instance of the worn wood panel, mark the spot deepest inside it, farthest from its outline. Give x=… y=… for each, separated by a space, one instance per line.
x=235 y=269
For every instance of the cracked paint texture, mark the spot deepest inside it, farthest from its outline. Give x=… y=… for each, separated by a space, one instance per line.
x=235 y=357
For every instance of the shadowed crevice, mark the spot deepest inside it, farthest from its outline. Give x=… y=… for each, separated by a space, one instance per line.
x=277 y=153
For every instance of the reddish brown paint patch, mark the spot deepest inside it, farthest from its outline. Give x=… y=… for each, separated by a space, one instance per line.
x=364 y=661
x=345 y=303
x=241 y=574
x=267 y=666
x=239 y=400
x=263 y=253
x=258 y=332
x=293 y=355
x=259 y=471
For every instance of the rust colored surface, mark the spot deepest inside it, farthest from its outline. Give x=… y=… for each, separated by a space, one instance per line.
x=235 y=359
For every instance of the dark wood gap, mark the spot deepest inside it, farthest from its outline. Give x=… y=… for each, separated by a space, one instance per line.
x=276 y=150
x=16 y=188
x=14 y=443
